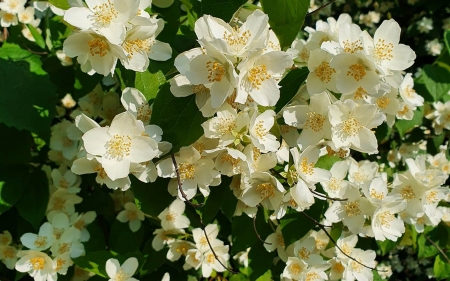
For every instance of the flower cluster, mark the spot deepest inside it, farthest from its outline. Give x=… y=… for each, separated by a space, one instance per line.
x=13 y=12
x=110 y=30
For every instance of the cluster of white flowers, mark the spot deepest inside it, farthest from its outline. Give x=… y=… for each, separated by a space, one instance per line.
x=440 y=117
x=113 y=29
x=13 y=12
x=63 y=234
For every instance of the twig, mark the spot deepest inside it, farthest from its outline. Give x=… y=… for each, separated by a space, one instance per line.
x=326 y=197
x=256 y=232
x=196 y=206
x=180 y=184
x=438 y=248
x=5 y=33
x=320 y=8
x=335 y=244
x=212 y=250
x=315 y=221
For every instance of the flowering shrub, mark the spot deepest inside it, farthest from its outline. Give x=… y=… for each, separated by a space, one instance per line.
x=231 y=142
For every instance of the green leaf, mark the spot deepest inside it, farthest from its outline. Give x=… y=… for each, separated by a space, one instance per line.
x=120 y=232
x=179 y=118
x=95 y=262
x=229 y=204
x=215 y=200
x=37 y=36
x=154 y=197
x=223 y=9
x=260 y=260
x=295 y=225
x=16 y=148
x=441 y=268
x=28 y=97
x=243 y=231
x=34 y=200
x=326 y=161
x=154 y=259
x=97 y=237
x=286 y=18
x=290 y=85
x=437 y=79
x=171 y=17
x=12 y=183
x=149 y=82
x=438 y=236
x=62 y=4
x=387 y=245
x=434 y=143
x=404 y=126
x=447 y=39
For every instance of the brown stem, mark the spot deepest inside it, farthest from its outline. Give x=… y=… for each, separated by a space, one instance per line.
x=180 y=184
x=256 y=232
x=437 y=247
x=320 y=8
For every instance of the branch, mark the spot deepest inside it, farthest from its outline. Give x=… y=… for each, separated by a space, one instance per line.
x=321 y=226
x=256 y=231
x=315 y=221
x=326 y=197
x=437 y=247
x=196 y=206
x=320 y=8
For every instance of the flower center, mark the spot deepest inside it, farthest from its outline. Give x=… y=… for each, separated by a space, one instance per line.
x=187 y=171
x=357 y=71
x=104 y=14
x=315 y=121
x=98 y=46
x=59 y=264
x=307 y=168
x=235 y=38
x=266 y=190
x=352 y=209
x=385 y=218
x=37 y=263
x=40 y=241
x=383 y=50
x=137 y=45
x=295 y=269
x=383 y=102
x=259 y=130
x=257 y=75
x=304 y=253
x=352 y=47
x=216 y=71
x=311 y=276
x=121 y=275
x=335 y=184
x=351 y=126
x=171 y=216
x=324 y=72
x=118 y=147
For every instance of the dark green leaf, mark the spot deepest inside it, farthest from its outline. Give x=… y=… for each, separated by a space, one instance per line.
x=95 y=262
x=149 y=83
x=260 y=260
x=387 y=245
x=404 y=126
x=223 y=9
x=153 y=197
x=290 y=85
x=215 y=200
x=37 y=36
x=436 y=79
x=28 y=97
x=16 y=148
x=434 y=143
x=97 y=238
x=12 y=183
x=154 y=259
x=120 y=232
x=229 y=204
x=171 y=17
x=447 y=39
x=179 y=118
x=295 y=225
x=33 y=203
x=286 y=18
x=62 y=4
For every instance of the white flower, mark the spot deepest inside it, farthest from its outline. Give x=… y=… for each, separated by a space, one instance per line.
x=210 y=262
x=132 y=215
x=106 y=17
x=385 y=49
x=407 y=92
x=201 y=242
x=27 y=15
x=258 y=77
x=8 y=19
x=276 y=241
x=179 y=248
x=312 y=118
x=38 y=265
x=295 y=269
x=351 y=125
x=13 y=6
x=433 y=47
x=425 y=25
x=62 y=201
x=321 y=75
x=260 y=126
x=336 y=185
x=356 y=70
x=41 y=241
x=354 y=270
x=95 y=53
x=172 y=217
x=124 y=272
x=81 y=221
x=135 y=102
x=265 y=190
x=68 y=243
x=62 y=263
x=384 y=223
x=120 y=145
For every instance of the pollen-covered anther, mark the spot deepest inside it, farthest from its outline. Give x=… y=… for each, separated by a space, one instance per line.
x=351 y=126
x=383 y=102
x=383 y=50
x=216 y=71
x=352 y=209
x=324 y=71
x=137 y=45
x=266 y=190
x=352 y=47
x=315 y=121
x=118 y=147
x=187 y=171
x=357 y=71
x=257 y=75
x=104 y=14
x=98 y=46
x=307 y=168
